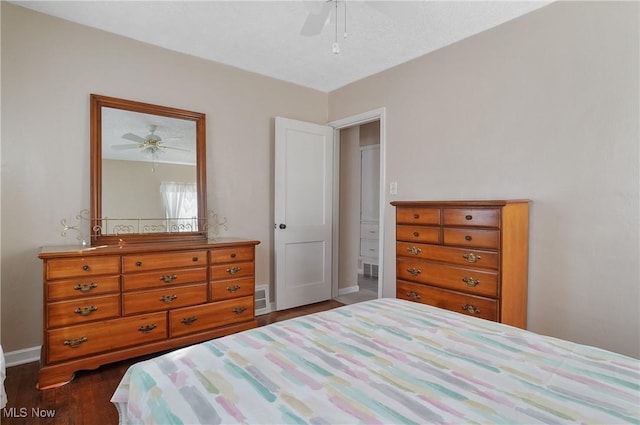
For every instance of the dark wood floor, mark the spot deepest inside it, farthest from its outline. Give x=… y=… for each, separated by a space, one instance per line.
x=85 y=400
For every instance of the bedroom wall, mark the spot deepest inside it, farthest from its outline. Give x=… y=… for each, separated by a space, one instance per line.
x=544 y=107
x=49 y=68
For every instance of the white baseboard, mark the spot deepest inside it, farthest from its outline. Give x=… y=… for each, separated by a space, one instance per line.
x=348 y=290
x=18 y=357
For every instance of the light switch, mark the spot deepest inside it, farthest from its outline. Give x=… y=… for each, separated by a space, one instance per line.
x=393 y=188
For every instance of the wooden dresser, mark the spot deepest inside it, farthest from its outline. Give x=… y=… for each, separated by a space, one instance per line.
x=107 y=304
x=466 y=256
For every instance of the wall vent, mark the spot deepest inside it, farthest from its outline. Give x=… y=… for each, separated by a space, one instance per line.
x=370 y=269
x=262 y=300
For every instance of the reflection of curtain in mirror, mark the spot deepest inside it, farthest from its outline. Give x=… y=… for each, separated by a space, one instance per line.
x=180 y=205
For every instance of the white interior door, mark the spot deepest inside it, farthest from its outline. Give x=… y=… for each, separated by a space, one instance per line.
x=303 y=212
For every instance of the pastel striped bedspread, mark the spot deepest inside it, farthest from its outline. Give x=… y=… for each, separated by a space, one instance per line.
x=385 y=361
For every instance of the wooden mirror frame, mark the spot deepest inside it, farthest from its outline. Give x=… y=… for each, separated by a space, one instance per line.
x=95 y=213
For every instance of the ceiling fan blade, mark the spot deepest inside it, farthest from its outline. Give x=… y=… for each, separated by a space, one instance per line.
x=124 y=147
x=133 y=138
x=316 y=20
x=176 y=149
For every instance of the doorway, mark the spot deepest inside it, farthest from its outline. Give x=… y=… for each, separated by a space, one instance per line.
x=359 y=192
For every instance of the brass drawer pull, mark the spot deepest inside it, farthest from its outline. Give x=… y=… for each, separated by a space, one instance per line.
x=233 y=270
x=86 y=268
x=85 y=311
x=468 y=217
x=467 y=238
x=413 y=271
x=85 y=287
x=145 y=329
x=416 y=234
x=168 y=299
x=470 y=308
x=413 y=295
x=239 y=310
x=471 y=282
x=233 y=288
x=414 y=250
x=75 y=343
x=168 y=278
x=189 y=320
x=138 y=263
x=471 y=257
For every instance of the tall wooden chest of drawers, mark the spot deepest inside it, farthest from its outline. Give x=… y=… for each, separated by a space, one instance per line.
x=107 y=304
x=466 y=256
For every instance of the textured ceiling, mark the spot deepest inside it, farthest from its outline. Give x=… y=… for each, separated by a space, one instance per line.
x=264 y=36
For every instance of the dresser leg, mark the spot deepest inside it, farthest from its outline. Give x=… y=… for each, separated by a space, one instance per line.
x=49 y=378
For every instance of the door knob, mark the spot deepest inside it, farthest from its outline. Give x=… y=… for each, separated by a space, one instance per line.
x=283 y=226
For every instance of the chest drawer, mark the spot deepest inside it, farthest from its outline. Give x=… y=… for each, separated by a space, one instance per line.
x=470 y=305
x=474 y=238
x=163 y=299
x=87 y=266
x=418 y=234
x=169 y=260
x=90 y=338
x=474 y=281
x=483 y=217
x=197 y=318
x=163 y=278
x=459 y=256
x=232 y=271
x=229 y=255
x=77 y=311
x=232 y=288
x=417 y=215
x=82 y=287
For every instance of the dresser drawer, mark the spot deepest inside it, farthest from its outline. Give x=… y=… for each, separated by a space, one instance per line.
x=445 y=254
x=169 y=260
x=87 y=266
x=232 y=255
x=473 y=281
x=81 y=288
x=369 y=231
x=90 y=338
x=473 y=238
x=483 y=217
x=368 y=248
x=163 y=299
x=418 y=234
x=232 y=271
x=164 y=278
x=198 y=318
x=417 y=215
x=75 y=312
x=470 y=305
x=235 y=288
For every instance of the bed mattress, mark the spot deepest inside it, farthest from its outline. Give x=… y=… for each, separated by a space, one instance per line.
x=379 y=362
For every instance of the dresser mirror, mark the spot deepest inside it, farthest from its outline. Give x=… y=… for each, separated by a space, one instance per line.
x=148 y=173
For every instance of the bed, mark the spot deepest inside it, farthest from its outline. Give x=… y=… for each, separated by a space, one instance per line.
x=380 y=362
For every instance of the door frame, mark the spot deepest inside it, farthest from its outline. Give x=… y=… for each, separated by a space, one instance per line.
x=378 y=114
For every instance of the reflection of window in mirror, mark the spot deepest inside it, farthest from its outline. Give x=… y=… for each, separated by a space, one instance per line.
x=180 y=205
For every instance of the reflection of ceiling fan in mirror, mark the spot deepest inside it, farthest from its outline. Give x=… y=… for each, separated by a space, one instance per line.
x=151 y=143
